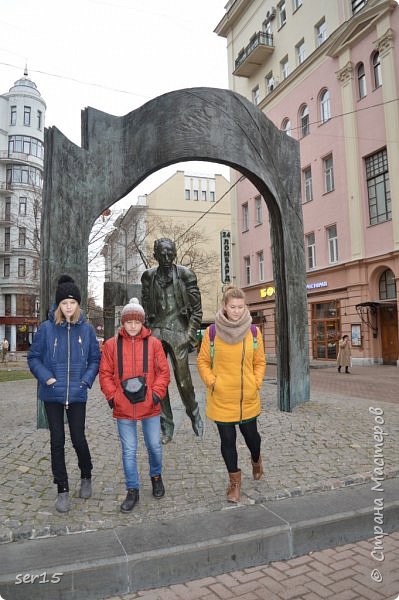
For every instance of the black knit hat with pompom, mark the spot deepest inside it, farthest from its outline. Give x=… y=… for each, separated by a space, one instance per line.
x=67 y=288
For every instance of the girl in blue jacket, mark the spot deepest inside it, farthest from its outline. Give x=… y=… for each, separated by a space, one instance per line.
x=64 y=357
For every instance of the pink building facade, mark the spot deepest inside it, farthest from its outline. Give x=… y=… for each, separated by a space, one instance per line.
x=340 y=100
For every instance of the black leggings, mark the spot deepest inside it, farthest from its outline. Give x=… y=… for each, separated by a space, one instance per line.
x=228 y=436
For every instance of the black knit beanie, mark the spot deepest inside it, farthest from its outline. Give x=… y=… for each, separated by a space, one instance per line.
x=67 y=288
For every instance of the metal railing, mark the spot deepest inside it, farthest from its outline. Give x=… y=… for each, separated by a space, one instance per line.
x=261 y=38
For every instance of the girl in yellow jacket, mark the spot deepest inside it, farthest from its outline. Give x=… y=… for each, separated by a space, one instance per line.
x=232 y=367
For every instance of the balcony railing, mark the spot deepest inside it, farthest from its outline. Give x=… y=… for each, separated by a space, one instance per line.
x=253 y=56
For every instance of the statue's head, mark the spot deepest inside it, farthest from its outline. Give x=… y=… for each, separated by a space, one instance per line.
x=165 y=252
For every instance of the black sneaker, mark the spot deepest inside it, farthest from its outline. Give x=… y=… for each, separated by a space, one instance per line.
x=132 y=497
x=158 y=489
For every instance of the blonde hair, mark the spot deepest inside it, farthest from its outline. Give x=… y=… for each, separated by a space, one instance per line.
x=232 y=292
x=59 y=315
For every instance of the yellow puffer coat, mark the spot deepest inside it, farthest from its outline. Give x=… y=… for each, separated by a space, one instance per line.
x=234 y=382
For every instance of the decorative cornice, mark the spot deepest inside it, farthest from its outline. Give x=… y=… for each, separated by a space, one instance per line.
x=385 y=43
x=345 y=74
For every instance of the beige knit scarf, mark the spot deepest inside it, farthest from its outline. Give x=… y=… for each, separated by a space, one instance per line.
x=232 y=332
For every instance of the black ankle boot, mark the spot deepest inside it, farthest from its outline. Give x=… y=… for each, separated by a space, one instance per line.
x=158 y=489
x=339 y=369
x=132 y=497
x=347 y=370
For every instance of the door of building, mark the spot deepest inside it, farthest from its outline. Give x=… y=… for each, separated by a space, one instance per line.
x=389 y=334
x=325 y=336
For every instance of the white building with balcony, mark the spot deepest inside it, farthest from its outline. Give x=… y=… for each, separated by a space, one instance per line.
x=22 y=114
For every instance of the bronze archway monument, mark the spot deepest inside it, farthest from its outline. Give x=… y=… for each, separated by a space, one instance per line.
x=204 y=124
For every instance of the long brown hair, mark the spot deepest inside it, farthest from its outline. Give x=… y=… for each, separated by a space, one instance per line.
x=59 y=315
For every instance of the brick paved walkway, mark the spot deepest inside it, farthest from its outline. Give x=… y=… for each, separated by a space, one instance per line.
x=324 y=444
x=342 y=573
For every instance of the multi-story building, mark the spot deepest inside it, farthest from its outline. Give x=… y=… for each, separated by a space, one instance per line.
x=22 y=113
x=326 y=73
x=192 y=209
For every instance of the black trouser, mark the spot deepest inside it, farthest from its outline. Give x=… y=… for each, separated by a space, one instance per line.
x=228 y=436
x=76 y=415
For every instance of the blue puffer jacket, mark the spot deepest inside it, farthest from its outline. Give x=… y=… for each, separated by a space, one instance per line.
x=68 y=352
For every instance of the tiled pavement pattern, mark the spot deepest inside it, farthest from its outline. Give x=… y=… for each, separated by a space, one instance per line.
x=342 y=573
x=324 y=444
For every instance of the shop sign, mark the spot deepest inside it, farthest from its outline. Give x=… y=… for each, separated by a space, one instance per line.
x=316 y=285
x=267 y=292
x=225 y=255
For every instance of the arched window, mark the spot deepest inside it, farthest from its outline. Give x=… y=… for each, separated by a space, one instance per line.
x=304 y=120
x=361 y=81
x=387 y=286
x=286 y=126
x=377 y=70
x=325 y=110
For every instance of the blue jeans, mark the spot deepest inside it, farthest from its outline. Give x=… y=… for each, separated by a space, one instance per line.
x=152 y=437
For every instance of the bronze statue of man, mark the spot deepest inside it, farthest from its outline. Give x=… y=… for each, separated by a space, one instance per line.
x=172 y=303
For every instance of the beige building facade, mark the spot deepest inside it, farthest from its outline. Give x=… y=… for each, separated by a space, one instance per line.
x=192 y=209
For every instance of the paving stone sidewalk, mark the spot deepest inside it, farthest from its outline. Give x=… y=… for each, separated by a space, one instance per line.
x=326 y=443
x=344 y=573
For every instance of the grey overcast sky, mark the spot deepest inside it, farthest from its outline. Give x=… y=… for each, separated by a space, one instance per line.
x=113 y=55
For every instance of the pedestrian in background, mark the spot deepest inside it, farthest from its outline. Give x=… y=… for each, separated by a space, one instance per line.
x=344 y=354
x=122 y=364
x=4 y=350
x=65 y=357
x=232 y=366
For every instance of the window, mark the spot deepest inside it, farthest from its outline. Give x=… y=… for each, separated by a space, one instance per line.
x=328 y=167
x=39 y=120
x=212 y=196
x=195 y=193
x=304 y=119
x=258 y=210
x=332 y=244
x=300 y=52
x=203 y=195
x=247 y=269
x=358 y=5
x=286 y=126
x=21 y=267
x=245 y=221
x=7 y=209
x=22 y=206
x=187 y=194
x=261 y=265
x=321 y=32
x=377 y=70
x=13 y=115
x=325 y=110
x=35 y=268
x=255 y=95
x=270 y=82
x=387 y=286
x=296 y=4
x=6 y=267
x=361 y=81
x=311 y=250
x=24 y=174
x=284 y=68
x=22 y=237
x=378 y=188
x=307 y=184
x=282 y=14
x=27 y=114
x=7 y=239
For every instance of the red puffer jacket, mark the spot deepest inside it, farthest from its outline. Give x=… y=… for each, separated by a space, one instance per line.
x=158 y=376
